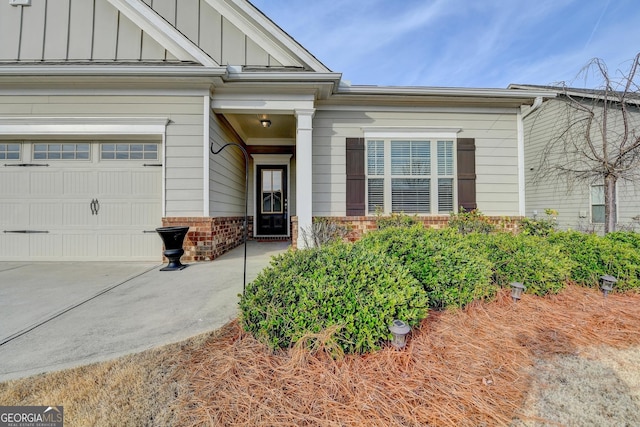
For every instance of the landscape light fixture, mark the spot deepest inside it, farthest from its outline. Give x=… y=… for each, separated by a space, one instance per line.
x=517 y=289
x=607 y=283
x=265 y=123
x=399 y=330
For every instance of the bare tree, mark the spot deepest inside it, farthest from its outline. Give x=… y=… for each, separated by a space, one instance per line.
x=599 y=143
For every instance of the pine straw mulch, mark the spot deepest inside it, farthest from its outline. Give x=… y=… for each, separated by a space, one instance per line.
x=460 y=368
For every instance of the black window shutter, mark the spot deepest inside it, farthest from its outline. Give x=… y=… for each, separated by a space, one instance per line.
x=467 y=173
x=355 y=177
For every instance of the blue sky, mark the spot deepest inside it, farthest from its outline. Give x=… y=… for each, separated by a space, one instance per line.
x=461 y=43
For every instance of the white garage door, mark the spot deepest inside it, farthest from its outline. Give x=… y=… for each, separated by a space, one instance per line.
x=80 y=201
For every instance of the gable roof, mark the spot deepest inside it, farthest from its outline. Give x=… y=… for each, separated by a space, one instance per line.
x=205 y=33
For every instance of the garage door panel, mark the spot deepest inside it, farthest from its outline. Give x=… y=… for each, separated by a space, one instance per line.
x=45 y=245
x=79 y=245
x=113 y=214
x=114 y=245
x=145 y=183
x=145 y=213
x=114 y=183
x=14 y=246
x=79 y=183
x=141 y=244
x=45 y=214
x=14 y=182
x=78 y=214
x=14 y=215
x=47 y=184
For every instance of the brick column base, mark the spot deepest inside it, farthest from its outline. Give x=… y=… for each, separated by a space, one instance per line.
x=208 y=238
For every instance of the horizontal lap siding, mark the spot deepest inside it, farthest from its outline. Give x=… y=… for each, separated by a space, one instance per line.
x=184 y=139
x=496 y=153
x=226 y=174
x=544 y=191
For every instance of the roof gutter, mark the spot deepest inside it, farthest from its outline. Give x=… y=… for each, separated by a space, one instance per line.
x=442 y=91
x=536 y=104
x=112 y=70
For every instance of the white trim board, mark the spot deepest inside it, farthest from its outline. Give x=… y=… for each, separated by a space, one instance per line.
x=83 y=125
x=163 y=32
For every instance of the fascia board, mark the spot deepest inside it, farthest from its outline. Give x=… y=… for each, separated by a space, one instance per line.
x=272 y=38
x=163 y=32
x=324 y=84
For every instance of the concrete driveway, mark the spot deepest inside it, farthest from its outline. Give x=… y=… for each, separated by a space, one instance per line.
x=59 y=315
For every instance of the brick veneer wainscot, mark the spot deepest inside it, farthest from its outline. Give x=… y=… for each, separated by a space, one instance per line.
x=208 y=238
x=362 y=224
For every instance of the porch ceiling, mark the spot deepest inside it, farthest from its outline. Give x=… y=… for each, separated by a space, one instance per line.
x=248 y=126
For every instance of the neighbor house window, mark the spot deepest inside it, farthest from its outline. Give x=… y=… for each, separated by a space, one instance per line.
x=129 y=151
x=414 y=176
x=9 y=151
x=597 y=204
x=61 y=151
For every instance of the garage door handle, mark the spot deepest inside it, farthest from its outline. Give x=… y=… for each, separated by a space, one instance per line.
x=95 y=206
x=25 y=231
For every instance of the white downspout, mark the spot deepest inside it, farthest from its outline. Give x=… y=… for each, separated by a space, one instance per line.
x=521 y=169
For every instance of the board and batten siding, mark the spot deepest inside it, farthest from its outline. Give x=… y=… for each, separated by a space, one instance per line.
x=571 y=200
x=82 y=30
x=184 y=135
x=496 y=153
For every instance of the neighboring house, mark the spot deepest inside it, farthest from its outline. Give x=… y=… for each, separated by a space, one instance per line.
x=108 y=109
x=579 y=205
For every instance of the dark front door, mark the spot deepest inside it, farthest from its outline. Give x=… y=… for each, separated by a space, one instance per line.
x=272 y=201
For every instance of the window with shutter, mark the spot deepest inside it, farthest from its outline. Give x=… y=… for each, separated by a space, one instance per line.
x=414 y=176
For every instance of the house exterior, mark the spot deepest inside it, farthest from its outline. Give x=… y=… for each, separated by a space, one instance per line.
x=109 y=110
x=580 y=206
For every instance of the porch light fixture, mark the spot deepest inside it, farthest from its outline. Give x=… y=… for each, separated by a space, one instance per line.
x=517 y=289
x=399 y=330
x=607 y=283
x=265 y=123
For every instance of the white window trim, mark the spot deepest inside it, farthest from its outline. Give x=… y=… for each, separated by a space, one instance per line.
x=429 y=134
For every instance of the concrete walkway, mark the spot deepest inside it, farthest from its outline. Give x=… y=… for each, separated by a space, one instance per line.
x=59 y=315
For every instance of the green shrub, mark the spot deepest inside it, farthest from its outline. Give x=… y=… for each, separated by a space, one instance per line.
x=395 y=220
x=451 y=271
x=595 y=256
x=308 y=291
x=470 y=222
x=628 y=237
x=539 y=227
x=532 y=260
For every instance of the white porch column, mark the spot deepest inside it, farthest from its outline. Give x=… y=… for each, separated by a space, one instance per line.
x=304 y=172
